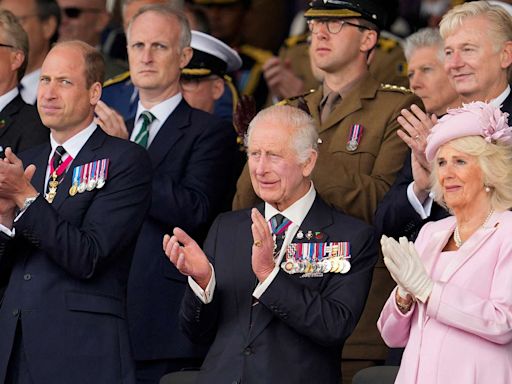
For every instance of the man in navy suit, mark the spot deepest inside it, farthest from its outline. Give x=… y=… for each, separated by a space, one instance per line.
x=20 y=125
x=278 y=303
x=69 y=223
x=192 y=154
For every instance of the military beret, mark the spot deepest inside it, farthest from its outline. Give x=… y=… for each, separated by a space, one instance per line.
x=211 y=57
x=365 y=9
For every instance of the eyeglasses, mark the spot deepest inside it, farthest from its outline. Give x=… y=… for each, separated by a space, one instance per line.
x=6 y=45
x=334 y=26
x=75 y=12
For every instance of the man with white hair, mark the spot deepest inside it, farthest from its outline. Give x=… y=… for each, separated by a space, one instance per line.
x=280 y=283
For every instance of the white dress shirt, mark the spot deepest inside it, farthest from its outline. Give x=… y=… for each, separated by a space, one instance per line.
x=161 y=112
x=296 y=213
x=29 y=83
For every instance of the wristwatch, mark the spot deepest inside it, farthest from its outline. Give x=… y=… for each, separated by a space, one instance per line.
x=28 y=201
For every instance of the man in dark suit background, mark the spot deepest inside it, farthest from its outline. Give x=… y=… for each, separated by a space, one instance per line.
x=477 y=41
x=20 y=125
x=278 y=305
x=63 y=312
x=192 y=154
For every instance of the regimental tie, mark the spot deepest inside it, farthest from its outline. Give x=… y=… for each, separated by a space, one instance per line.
x=58 y=168
x=279 y=224
x=143 y=135
x=333 y=98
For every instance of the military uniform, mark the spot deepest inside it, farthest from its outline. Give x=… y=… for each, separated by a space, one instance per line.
x=120 y=94
x=388 y=64
x=354 y=181
x=249 y=79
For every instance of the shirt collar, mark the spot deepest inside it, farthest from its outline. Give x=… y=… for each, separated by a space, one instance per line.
x=498 y=101
x=6 y=98
x=162 y=110
x=295 y=212
x=30 y=83
x=74 y=144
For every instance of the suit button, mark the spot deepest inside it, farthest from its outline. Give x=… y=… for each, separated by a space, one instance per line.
x=247 y=351
x=16 y=312
x=27 y=276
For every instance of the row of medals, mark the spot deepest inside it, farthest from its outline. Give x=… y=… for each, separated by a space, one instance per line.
x=336 y=264
x=89 y=186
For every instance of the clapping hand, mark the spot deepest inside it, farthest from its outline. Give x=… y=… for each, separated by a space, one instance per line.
x=188 y=257
x=406 y=268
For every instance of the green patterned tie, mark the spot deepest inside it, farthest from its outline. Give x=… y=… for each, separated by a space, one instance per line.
x=143 y=135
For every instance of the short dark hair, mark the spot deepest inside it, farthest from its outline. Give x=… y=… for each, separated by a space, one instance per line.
x=47 y=9
x=94 y=62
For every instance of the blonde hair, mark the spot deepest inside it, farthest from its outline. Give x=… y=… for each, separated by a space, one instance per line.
x=499 y=26
x=494 y=161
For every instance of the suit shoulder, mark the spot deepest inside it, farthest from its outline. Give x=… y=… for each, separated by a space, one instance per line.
x=122 y=77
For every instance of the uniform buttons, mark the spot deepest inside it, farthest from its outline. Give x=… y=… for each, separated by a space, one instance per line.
x=27 y=276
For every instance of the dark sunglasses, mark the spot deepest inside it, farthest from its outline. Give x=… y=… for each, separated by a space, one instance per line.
x=75 y=12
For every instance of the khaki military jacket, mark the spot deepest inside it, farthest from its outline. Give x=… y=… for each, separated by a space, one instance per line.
x=353 y=181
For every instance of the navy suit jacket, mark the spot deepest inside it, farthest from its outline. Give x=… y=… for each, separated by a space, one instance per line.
x=69 y=264
x=192 y=158
x=300 y=324
x=20 y=126
x=395 y=215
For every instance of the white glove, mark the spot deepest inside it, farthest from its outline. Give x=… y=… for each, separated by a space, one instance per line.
x=406 y=268
x=386 y=250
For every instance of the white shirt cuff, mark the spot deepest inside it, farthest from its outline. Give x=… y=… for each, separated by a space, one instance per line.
x=205 y=296
x=262 y=287
x=422 y=209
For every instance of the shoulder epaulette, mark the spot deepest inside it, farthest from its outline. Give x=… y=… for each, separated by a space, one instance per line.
x=395 y=88
x=117 y=79
x=293 y=98
x=259 y=55
x=294 y=40
x=387 y=44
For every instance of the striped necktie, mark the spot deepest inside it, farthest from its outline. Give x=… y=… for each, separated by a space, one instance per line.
x=279 y=224
x=143 y=135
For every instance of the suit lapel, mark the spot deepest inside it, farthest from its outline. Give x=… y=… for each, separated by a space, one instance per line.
x=469 y=247
x=318 y=219
x=41 y=163
x=171 y=131
x=6 y=114
x=365 y=89
x=86 y=155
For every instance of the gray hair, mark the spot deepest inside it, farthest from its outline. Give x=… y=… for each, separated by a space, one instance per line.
x=169 y=11
x=305 y=136
x=494 y=161
x=16 y=36
x=500 y=21
x=425 y=37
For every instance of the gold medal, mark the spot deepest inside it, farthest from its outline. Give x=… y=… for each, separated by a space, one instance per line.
x=73 y=190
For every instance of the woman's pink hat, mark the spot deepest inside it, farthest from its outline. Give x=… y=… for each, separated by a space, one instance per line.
x=473 y=119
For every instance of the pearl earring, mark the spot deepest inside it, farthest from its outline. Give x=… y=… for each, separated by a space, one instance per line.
x=487 y=189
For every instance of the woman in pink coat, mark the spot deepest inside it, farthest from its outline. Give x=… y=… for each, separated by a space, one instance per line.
x=452 y=307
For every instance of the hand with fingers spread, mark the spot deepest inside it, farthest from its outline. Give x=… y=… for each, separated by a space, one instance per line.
x=14 y=180
x=110 y=121
x=188 y=257
x=406 y=268
x=262 y=247
x=416 y=126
